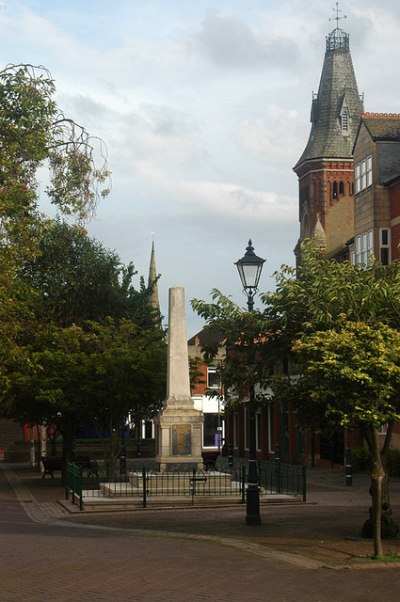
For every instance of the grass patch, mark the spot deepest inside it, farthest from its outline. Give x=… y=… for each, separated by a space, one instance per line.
x=390 y=556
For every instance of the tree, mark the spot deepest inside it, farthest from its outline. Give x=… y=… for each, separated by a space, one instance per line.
x=318 y=298
x=88 y=334
x=126 y=376
x=34 y=131
x=77 y=279
x=95 y=373
x=247 y=360
x=351 y=376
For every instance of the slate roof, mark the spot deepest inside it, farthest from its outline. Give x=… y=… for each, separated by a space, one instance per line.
x=337 y=86
x=382 y=126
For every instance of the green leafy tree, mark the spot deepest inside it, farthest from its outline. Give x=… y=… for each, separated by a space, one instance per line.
x=84 y=313
x=76 y=279
x=43 y=383
x=126 y=376
x=319 y=296
x=35 y=133
x=351 y=376
x=247 y=360
x=95 y=373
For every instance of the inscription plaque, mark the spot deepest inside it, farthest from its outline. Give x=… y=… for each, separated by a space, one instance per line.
x=181 y=440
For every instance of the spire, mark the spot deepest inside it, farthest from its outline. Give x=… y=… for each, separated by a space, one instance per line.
x=318 y=235
x=336 y=109
x=152 y=282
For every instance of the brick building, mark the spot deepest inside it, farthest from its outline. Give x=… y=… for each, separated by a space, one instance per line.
x=207 y=392
x=376 y=189
x=325 y=168
x=349 y=204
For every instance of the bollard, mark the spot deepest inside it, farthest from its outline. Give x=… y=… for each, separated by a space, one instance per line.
x=348 y=468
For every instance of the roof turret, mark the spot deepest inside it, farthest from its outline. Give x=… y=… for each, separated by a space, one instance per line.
x=336 y=109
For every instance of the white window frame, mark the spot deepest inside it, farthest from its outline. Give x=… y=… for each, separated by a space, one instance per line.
x=363 y=174
x=364 y=247
x=247 y=426
x=212 y=370
x=386 y=245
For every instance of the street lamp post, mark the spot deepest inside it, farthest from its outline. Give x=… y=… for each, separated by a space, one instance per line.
x=250 y=268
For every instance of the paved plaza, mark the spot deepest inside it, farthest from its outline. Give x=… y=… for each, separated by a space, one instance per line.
x=310 y=552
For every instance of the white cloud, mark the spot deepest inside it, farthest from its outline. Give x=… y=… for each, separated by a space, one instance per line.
x=205 y=108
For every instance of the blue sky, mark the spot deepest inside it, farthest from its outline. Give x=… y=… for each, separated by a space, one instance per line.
x=204 y=106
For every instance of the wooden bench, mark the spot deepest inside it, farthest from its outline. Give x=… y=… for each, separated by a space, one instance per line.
x=51 y=463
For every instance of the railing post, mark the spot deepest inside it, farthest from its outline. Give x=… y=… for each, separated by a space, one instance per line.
x=80 y=486
x=193 y=485
x=144 y=482
x=277 y=467
x=304 y=483
x=67 y=481
x=230 y=455
x=243 y=479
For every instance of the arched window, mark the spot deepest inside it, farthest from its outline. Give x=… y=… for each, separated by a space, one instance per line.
x=334 y=190
x=341 y=188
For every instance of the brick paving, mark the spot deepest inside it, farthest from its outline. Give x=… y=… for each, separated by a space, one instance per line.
x=191 y=555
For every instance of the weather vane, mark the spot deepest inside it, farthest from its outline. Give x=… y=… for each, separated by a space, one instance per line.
x=338 y=16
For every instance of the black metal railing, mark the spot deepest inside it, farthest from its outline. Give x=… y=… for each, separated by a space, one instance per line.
x=274 y=477
x=74 y=483
x=145 y=481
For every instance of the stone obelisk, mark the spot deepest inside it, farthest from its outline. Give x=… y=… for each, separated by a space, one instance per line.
x=179 y=424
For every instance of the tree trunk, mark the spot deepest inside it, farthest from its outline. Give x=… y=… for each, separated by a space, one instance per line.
x=379 y=489
x=377 y=476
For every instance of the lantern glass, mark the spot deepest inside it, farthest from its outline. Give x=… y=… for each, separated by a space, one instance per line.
x=250 y=268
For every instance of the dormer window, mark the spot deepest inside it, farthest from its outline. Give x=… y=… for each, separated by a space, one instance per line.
x=344 y=118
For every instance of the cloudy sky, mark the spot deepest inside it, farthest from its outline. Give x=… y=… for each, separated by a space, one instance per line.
x=204 y=106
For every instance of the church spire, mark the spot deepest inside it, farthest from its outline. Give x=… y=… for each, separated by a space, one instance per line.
x=152 y=283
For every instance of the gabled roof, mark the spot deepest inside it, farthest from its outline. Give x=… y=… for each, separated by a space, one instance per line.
x=205 y=337
x=382 y=126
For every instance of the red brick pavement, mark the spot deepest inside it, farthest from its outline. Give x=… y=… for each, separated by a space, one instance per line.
x=48 y=559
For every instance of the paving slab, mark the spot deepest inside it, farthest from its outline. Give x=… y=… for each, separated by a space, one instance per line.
x=324 y=531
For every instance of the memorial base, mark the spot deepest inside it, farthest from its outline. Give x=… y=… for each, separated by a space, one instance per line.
x=179 y=438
